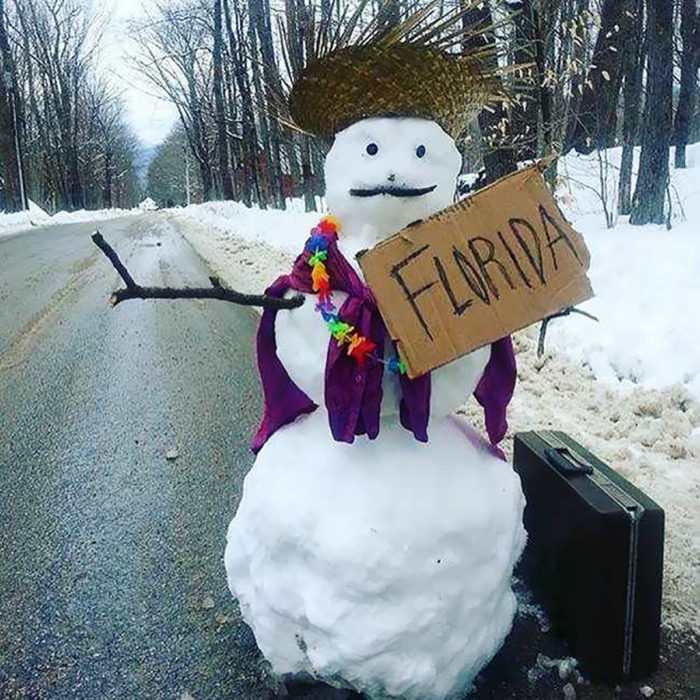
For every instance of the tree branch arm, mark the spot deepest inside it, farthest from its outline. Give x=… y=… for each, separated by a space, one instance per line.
x=216 y=291
x=545 y=324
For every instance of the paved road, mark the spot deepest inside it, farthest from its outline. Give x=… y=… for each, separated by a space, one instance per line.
x=111 y=576
x=111 y=554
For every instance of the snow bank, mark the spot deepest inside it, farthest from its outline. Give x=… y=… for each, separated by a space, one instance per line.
x=246 y=246
x=75 y=217
x=643 y=278
x=390 y=576
x=284 y=230
x=18 y=221
x=24 y=221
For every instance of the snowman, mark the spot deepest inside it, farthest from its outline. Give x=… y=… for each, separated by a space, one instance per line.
x=377 y=533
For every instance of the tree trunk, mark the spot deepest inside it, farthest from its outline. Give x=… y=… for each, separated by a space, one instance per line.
x=221 y=137
x=199 y=141
x=12 y=189
x=545 y=93
x=206 y=179
x=499 y=155
x=652 y=181
x=249 y=146
x=524 y=113
x=633 y=70
x=263 y=167
x=261 y=9
x=307 y=175
x=596 y=117
x=107 y=191
x=690 y=62
x=579 y=70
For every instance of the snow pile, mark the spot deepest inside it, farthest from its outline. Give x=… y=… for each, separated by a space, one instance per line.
x=641 y=276
x=284 y=230
x=650 y=436
x=82 y=215
x=391 y=576
x=246 y=246
x=18 y=221
x=36 y=216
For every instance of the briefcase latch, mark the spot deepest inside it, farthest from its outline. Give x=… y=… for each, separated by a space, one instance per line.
x=566 y=462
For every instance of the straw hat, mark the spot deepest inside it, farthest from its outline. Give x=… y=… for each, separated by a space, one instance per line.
x=396 y=81
x=410 y=70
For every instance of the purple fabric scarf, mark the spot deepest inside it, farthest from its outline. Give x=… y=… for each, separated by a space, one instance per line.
x=353 y=392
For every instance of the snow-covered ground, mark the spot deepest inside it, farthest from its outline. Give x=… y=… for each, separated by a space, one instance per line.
x=26 y=220
x=627 y=387
x=646 y=279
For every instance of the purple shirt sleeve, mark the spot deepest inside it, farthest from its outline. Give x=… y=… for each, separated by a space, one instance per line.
x=283 y=400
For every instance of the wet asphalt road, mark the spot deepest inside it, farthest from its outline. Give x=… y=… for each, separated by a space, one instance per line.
x=111 y=576
x=111 y=554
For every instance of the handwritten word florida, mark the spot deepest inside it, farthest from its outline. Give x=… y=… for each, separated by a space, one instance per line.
x=520 y=261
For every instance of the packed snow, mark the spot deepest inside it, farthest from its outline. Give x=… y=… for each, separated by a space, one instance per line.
x=21 y=222
x=234 y=222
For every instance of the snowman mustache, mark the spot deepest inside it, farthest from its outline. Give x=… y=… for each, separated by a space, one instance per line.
x=392 y=191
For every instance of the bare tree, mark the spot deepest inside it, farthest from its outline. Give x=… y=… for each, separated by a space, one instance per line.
x=249 y=185
x=260 y=20
x=221 y=136
x=498 y=156
x=595 y=118
x=70 y=131
x=175 y=46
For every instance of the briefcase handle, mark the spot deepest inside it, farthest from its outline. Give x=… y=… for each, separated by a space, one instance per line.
x=567 y=463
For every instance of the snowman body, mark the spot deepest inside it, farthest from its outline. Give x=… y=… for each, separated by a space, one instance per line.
x=384 y=565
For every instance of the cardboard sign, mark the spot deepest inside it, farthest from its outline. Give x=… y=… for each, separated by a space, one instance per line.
x=489 y=265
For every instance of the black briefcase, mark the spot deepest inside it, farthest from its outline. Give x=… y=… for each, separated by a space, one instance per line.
x=594 y=556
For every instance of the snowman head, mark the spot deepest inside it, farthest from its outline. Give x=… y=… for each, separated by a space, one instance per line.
x=384 y=173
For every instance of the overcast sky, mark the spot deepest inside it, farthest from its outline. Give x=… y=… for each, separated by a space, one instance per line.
x=151 y=118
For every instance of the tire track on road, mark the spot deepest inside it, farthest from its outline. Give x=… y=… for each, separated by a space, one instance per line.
x=25 y=339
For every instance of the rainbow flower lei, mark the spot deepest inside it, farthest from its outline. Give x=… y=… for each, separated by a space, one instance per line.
x=358 y=346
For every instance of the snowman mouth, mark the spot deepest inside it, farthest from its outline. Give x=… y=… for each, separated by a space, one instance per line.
x=393 y=191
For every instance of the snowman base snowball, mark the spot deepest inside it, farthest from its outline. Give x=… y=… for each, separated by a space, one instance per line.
x=391 y=576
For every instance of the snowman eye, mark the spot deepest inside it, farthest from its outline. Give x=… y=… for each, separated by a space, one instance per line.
x=420 y=151
x=372 y=149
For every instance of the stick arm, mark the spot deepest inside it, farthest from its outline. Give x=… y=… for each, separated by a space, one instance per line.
x=216 y=291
